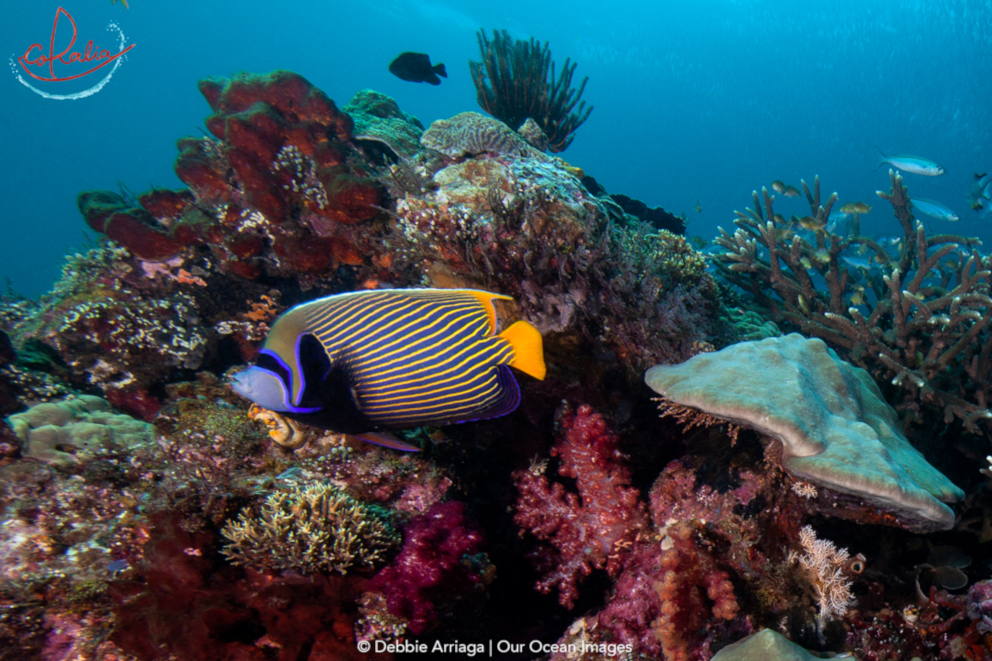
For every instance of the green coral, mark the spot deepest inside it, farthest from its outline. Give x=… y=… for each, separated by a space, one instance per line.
x=378 y=117
x=76 y=430
x=312 y=529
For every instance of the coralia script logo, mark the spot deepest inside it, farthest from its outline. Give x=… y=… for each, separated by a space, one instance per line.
x=41 y=66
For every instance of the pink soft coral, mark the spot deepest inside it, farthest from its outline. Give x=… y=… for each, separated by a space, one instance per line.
x=592 y=529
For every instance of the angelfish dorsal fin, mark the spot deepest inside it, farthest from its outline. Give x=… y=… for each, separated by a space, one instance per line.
x=487 y=298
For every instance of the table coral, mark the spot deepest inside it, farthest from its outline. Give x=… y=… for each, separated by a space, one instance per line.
x=592 y=529
x=831 y=425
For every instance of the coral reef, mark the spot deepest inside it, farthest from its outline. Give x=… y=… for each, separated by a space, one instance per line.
x=276 y=190
x=512 y=220
x=229 y=532
x=830 y=426
x=515 y=81
x=316 y=528
x=918 y=319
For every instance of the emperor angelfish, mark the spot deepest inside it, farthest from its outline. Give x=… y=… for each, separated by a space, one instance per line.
x=392 y=359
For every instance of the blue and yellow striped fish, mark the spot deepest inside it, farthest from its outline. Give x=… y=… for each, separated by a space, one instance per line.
x=392 y=359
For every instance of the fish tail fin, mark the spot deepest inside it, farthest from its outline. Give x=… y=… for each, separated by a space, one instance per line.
x=882 y=155
x=528 y=349
x=439 y=70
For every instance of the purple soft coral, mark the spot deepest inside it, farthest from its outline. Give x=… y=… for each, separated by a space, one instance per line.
x=431 y=563
x=980 y=605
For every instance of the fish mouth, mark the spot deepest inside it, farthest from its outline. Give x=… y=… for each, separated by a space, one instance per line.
x=240 y=383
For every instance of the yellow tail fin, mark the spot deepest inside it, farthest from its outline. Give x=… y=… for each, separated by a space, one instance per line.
x=528 y=349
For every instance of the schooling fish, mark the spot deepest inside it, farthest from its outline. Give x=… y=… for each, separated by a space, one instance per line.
x=392 y=359
x=855 y=207
x=914 y=164
x=934 y=209
x=416 y=68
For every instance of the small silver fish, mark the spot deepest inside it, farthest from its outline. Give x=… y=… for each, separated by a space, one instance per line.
x=859 y=263
x=914 y=164
x=934 y=209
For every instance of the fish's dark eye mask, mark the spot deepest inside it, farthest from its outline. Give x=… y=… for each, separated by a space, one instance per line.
x=315 y=367
x=271 y=363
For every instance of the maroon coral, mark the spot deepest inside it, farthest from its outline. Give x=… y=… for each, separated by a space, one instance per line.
x=275 y=190
x=434 y=564
x=592 y=529
x=189 y=608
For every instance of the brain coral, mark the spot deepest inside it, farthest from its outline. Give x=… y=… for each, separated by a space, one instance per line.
x=472 y=133
x=74 y=430
x=834 y=428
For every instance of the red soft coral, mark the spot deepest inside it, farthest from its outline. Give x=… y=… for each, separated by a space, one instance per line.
x=592 y=529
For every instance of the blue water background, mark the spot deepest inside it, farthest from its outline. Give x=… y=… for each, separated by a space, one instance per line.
x=698 y=101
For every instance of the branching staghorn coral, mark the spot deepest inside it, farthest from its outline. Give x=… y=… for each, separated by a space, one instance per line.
x=919 y=319
x=314 y=529
x=513 y=83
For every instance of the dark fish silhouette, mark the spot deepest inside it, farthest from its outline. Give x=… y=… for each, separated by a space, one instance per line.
x=416 y=68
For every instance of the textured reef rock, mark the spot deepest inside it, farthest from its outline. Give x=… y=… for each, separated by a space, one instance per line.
x=496 y=213
x=830 y=424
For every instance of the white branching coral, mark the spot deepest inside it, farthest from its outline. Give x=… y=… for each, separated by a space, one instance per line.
x=317 y=528
x=826 y=569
